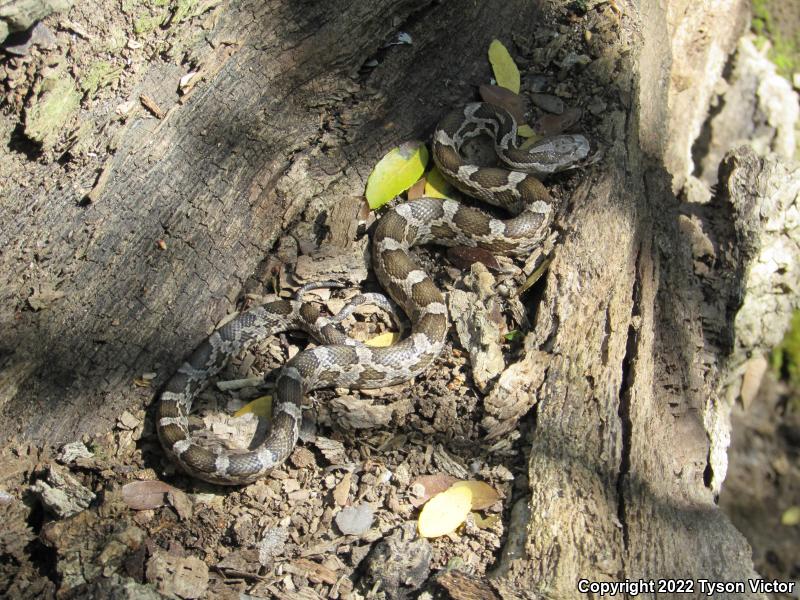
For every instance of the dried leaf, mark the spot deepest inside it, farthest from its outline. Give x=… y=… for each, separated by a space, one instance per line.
x=791 y=516
x=383 y=340
x=483 y=495
x=504 y=98
x=505 y=71
x=534 y=277
x=261 y=407
x=427 y=486
x=464 y=257
x=416 y=191
x=144 y=495
x=555 y=124
x=445 y=512
x=436 y=186
x=486 y=523
x=396 y=172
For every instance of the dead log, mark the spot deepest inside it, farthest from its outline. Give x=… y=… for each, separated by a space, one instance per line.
x=633 y=334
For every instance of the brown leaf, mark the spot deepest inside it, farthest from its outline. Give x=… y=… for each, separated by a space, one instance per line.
x=416 y=191
x=557 y=124
x=463 y=257
x=483 y=495
x=427 y=486
x=504 y=98
x=143 y=495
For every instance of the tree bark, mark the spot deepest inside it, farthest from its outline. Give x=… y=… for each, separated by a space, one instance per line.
x=630 y=340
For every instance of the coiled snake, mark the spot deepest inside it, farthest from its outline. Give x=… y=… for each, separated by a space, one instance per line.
x=342 y=362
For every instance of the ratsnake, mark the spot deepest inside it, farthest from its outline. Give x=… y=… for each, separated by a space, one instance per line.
x=342 y=362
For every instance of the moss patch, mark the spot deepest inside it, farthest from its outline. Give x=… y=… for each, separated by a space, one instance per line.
x=778 y=21
x=52 y=110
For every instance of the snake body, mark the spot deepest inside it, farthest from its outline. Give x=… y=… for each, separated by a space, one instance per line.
x=340 y=362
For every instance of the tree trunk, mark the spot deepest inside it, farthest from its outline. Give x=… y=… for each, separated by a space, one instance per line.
x=625 y=364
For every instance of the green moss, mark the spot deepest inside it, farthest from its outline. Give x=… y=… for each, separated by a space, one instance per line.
x=785 y=358
x=147 y=23
x=100 y=74
x=52 y=110
x=785 y=51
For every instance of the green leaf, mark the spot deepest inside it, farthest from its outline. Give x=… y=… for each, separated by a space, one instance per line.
x=436 y=186
x=396 y=172
x=512 y=335
x=506 y=72
x=261 y=407
x=791 y=516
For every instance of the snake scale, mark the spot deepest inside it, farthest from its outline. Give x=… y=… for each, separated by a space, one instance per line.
x=341 y=362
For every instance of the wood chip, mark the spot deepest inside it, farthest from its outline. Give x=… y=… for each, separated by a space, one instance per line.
x=342 y=490
x=315 y=572
x=152 y=106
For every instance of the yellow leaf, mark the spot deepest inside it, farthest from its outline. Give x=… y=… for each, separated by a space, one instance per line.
x=383 y=340
x=530 y=141
x=261 y=407
x=791 y=516
x=483 y=495
x=525 y=131
x=535 y=276
x=436 y=186
x=396 y=172
x=506 y=72
x=486 y=523
x=445 y=512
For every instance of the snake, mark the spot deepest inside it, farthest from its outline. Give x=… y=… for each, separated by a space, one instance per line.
x=514 y=185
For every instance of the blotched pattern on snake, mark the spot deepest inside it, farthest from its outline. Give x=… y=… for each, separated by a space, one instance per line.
x=342 y=362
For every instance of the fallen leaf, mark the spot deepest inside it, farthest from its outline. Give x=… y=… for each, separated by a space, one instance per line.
x=534 y=277
x=443 y=513
x=504 y=98
x=261 y=407
x=383 y=340
x=416 y=191
x=505 y=71
x=525 y=131
x=436 y=186
x=427 y=486
x=483 y=495
x=486 y=523
x=396 y=172
x=144 y=495
x=464 y=257
x=791 y=516
x=555 y=124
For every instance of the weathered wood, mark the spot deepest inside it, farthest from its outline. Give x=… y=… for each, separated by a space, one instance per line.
x=629 y=352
